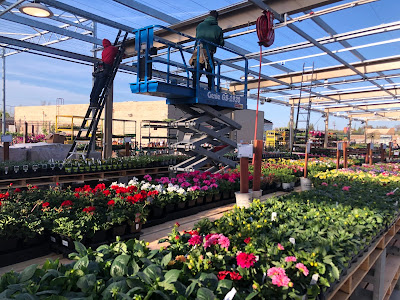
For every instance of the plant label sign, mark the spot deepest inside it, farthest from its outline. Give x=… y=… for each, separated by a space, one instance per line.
x=245 y=150
x=396 y=153
x=6 y=138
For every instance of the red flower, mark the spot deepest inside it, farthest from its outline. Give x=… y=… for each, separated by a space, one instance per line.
x=67 y=203
x=234 y=276
x=106 y=192
x=247 y=240
x=195 y=240
x=57 y=184
x=111 y=202
x=11 y=184
x=34 y=187
x=177 y=237
x=177 y=224
x=0 y=203
x=245 y=260
x=89 y=209
x=45 y=204
x=17 y=190
x=77 y=195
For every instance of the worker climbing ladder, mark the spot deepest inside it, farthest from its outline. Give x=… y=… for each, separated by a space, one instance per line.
x=86 y=137
x=303 y=113
x=206 y=126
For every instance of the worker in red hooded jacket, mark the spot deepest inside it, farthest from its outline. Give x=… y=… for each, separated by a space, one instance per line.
x=102 y=71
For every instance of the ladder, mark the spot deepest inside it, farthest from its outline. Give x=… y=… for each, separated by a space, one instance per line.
x=298 y=143
x=86 y=137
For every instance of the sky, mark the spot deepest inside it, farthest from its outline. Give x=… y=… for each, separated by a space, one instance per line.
x=33 y=80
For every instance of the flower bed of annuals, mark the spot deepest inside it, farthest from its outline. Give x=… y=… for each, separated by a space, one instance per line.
x=284 y=248
x=379 y=168
x=81 y=212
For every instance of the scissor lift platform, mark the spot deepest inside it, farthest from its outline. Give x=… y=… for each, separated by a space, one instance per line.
x=206 y=125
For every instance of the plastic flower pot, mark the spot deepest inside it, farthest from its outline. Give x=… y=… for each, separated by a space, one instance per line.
x=170 y=207
x=157 y=211
x=225 y=195
x=244 y=199
x=209 y=198
x=217 y=197
x=136 y=227
x=182 y=205
x=200 y=200
x=99 y=236
x=118 y=230
x=67 y=242
x=286 y=186
x=8 y=245
x=192 y=202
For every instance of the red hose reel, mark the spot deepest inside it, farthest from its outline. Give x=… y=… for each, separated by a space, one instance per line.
x=265 y=29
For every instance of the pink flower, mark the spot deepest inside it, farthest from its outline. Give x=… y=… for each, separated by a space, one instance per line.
x=147 y=177
x=324 y=184
x=280 y=280
x=390 y=194
x=245 y=260
x=334 y=184
x=302 y=268
x=224 y=242
x=275 y=271
x=290 y=258
x=346 y=188
x=280 y=247
x=195 y=240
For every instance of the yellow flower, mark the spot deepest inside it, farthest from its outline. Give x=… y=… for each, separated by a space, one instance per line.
x=313 y=254
x=316 y=264
x=311 y=264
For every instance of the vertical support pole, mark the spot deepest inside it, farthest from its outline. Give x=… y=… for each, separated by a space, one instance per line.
x=94 y=34
x=326 y=130
x=338 y=156
x=244 y=175
x=367 y=153
x=3 y=123
x=291 y=137
x=258 y=146
x=25 y=132
x=365 y=131
x=306 y=160
x=33 y=129
x=371 y=154
x=349 y=131
x=108 y=115
x=390 y=150
x=345 y=155
x=127 y=149
x=382 y=153
x=6 y=151
x=379 y=277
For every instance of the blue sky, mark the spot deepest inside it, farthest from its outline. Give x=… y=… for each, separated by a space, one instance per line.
x=33 y=79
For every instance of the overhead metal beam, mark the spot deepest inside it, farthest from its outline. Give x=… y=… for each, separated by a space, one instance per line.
x=369 y=66
x=87 y=15
x=356 y=96
x=10 y=7
x=318 y=45
x=235 y=16
x=350 y=109
x=148 y=10
x=391 y=114
x=326 y=40
x=44 y=26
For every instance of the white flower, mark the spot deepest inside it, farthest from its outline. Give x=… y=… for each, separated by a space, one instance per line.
x=314 y=279
x=292 y=240
x=146 y=186
x=273 y=216
x=181 y=191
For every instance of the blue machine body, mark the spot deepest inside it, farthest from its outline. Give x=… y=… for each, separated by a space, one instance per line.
x=177 y=89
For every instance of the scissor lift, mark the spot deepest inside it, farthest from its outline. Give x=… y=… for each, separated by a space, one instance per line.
x=207 y=125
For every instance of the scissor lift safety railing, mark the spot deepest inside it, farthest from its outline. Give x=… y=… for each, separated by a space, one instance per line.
x=206 y=125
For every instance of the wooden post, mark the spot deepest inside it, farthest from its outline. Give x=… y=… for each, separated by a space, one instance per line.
x=6 y=151
x=306 y=161
x=26 y=132
x=382 y=153
x=244 y=174
x=367 y=153
x=127 y=149
x=345 y=155
x=338 y=156
x=390 y=150
x=258 y=147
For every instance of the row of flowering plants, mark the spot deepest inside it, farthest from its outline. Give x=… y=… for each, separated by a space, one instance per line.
x=292 y=247
x=49 y=168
